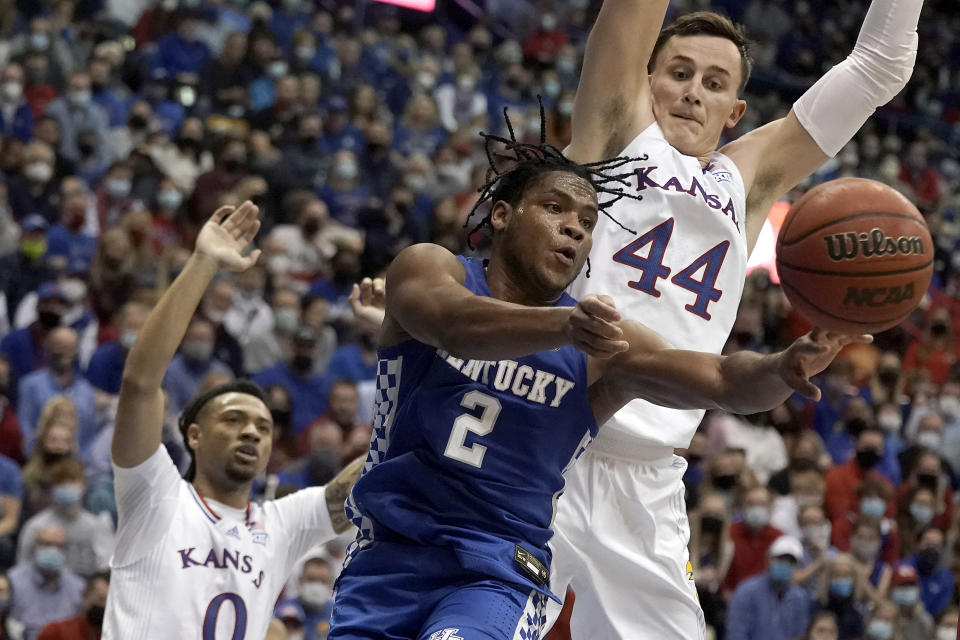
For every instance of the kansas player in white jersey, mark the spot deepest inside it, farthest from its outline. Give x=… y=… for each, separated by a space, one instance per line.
x=194 y=557
x=621 y=528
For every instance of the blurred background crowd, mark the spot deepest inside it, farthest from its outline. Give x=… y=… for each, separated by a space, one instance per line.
x=353 y=125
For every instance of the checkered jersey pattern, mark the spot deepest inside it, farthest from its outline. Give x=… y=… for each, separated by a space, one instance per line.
x=388 y=387
x=533 y=618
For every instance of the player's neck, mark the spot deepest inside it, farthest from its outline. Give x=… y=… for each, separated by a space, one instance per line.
x=233 y=496
x=505 y=286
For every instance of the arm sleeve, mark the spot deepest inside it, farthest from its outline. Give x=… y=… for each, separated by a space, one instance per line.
x=146 y=501
x=834 y=109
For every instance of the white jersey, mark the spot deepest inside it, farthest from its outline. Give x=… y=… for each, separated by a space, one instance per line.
x=682 y=275
x=189 y=568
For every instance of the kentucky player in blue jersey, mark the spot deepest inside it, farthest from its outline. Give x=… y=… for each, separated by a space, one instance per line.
x=491 y=382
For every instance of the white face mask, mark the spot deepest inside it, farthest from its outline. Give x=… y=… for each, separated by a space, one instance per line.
x=929 y=439
x=38 y=172
x=315 y=594
x=11 y=91
x=949 y=407
x=946 y=633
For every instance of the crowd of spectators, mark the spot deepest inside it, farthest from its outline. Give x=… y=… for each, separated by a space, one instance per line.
x=125 y=123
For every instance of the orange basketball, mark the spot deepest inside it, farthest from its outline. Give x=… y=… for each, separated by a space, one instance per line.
x=854 y=255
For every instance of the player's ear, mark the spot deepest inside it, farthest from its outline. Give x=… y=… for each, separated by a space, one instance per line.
x=739 y=108
x=193 y=435
x=500 y=215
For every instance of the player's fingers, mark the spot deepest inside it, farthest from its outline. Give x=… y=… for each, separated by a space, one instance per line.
x=601 y=345
x=815 y=334
x=222 y=213
x=608 y=350
x=244 y=216
x=250 y=233
x=354 y=296
x=804 y=387
x=379 y=287
x=595 y=306
x=251 y=259
x=599 y=328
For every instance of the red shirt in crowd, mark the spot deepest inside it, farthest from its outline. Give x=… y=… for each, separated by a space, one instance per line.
x=841 y=497
x=11 y=440
x=749 y=553
x=842 y=530
x=73 y=629
x=935 y=361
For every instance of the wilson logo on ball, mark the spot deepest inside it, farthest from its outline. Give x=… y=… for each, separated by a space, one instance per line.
x=847 y=246
x=878 y=297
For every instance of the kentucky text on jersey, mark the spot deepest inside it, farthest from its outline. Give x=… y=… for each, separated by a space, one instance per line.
x=521 y=380
x=645 y=181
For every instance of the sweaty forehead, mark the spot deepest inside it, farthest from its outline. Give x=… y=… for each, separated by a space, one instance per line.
x=569 y=184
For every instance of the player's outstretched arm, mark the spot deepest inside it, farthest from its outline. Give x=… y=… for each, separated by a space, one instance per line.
x=613 y=99
x=337 y=491
x=427 y=300
x=220 y=244
x=744 y=382
x=775 y=158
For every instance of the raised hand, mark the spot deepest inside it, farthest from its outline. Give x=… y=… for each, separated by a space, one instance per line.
x=810 y=355
x=369 y=300
x=227 y=233
x=591 y=327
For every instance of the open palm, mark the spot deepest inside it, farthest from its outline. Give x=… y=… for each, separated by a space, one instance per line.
x=227 y=233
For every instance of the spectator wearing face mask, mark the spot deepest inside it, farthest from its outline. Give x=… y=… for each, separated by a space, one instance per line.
x=419 y=130
x=313 y=240
x=345 y=193
x=33 y=189
x=884 y=624
x=217 y=303
x=26 y=269
x=229 y=170
x=948 y=406
x=928 y=473
x=873 y=506
x=168 y=228
x=44 y=588
x=936 y=580
x=843 y=480
x=106 y=365
x=89 y=537
x=87 y=625
x=751 y=537
x=769 y=606
x=191 y=364
x=56 y=441
x=73 y=242
x=315 y=598
x=817 y=550
x=308 y=389
x=59 y=377
x=843 y=594
x=23 y=348
x=182 y=50
x=16 y=118
x=936 y=352
x=913 y=623
x=947 y=624
x=76 y=113
x=929 y=436
x=887 y=384
x=113 y=195
x=460 y=102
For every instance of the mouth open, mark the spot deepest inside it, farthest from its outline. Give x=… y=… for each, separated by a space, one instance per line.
x=567 y=255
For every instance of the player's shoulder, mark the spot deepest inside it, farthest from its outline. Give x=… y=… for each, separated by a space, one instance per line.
x=426 y=257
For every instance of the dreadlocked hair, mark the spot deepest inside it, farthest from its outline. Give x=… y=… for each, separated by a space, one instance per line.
x=518 y=165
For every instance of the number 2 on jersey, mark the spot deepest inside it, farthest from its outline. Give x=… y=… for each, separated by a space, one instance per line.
x=653 y=269
x=489 y=410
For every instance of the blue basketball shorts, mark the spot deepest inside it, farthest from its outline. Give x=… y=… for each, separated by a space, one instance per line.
x=391 y=591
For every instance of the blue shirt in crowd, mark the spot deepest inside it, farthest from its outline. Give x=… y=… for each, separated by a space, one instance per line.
x=308 y=396
x=37 y=388
x=756 y=612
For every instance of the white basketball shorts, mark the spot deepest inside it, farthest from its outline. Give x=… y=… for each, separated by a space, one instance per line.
x=620 y=540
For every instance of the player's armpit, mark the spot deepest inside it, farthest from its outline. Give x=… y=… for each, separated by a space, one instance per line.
x=613 y=99
x=772 y=160
x=337 y=491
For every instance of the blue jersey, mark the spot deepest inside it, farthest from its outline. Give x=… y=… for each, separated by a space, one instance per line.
x=470 y=455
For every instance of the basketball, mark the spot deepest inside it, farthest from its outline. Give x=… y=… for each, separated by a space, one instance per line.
x=854 y=255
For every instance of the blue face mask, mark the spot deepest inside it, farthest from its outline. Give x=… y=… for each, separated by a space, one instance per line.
x=873 y=507
x=67 y=495
x=841 y=587
x=781 y=571
x=49 y=560
x=921 y=513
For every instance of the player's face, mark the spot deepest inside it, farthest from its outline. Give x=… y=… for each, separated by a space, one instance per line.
x=694 y=86
x=548 y=235
x=233 y=438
